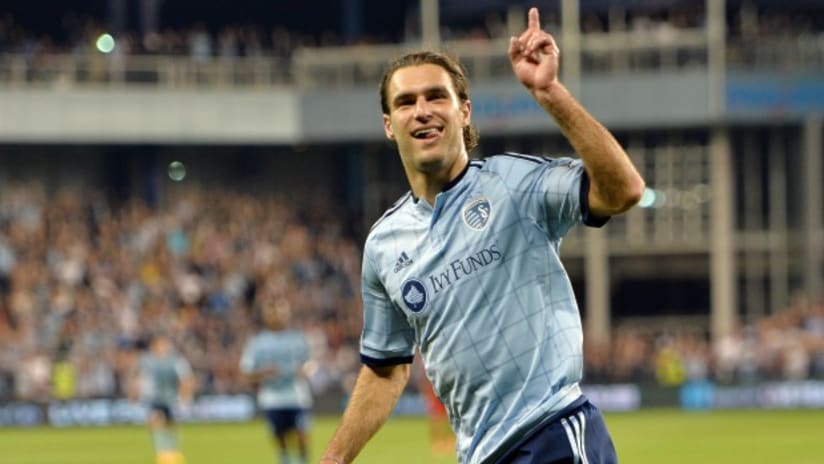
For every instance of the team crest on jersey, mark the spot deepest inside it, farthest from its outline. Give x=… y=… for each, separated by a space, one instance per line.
x=477 y=212
x=414 y=295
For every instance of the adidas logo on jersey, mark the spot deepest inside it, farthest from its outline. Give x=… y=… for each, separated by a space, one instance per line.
x=402 y=262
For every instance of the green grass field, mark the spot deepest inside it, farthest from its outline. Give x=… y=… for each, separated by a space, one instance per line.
x=650 y=436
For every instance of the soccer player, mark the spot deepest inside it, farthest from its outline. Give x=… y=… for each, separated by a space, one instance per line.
x=165 y=382
x=466 y=268
x=274 y=360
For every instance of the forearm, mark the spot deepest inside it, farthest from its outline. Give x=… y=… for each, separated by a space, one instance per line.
x=614 y=182
x=260 y=375
x=187 y=390
x=374 y=397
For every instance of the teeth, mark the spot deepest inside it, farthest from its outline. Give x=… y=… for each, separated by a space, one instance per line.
x=423 y=132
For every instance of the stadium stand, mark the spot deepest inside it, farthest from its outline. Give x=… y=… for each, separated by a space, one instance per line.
x=84 y=272
x=82 y=277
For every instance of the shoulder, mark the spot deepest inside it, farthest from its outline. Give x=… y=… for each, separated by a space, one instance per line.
x=293 y=334
x=515 y=168
x=300 y=336
x=510 y=159
x=390 y=217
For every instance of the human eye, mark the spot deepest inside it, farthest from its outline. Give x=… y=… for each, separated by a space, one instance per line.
x=401 y=102
x=438 y=95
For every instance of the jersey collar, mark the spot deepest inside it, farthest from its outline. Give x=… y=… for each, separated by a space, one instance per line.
x=448 y=185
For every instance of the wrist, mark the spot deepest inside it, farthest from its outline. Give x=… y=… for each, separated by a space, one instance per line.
x=551 y=94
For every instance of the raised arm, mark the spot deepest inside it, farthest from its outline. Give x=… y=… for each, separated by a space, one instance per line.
x=374 y=397
x=615 y=185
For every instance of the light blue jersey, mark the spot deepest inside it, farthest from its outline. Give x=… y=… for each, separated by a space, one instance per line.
x=286 y=350
x=160 y=377
x=477 y=284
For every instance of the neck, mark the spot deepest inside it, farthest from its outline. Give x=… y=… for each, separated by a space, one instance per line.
x=427 y=185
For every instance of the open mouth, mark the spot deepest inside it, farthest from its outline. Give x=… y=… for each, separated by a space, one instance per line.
x=428 y=133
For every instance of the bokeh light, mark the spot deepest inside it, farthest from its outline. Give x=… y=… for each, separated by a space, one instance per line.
x=105 y=43
x=177 y=171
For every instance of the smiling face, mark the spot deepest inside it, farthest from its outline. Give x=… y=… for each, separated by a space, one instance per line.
x=426 y=119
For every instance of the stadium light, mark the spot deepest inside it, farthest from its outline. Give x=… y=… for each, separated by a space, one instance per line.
x=105 y=43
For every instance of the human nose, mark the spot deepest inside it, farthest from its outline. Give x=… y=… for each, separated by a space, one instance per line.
x=422 y=108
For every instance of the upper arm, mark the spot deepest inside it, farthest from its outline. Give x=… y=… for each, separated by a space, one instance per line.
x=305 y=350
x=186 y=376
x=247 y=359
x=187 y=383
x=387 y=338
x=183 y=369
x=398 y=372
x=568 y=196
x=594 y=212
x=396 y=375
x=598 y=205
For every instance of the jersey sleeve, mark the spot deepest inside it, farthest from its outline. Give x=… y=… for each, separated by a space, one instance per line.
x=183 y=368
x=552 y=191
x=304 y=351
x=387 y=338
x=565 y=185
x=247 y=359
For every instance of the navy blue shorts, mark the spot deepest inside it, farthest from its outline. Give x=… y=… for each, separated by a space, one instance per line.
x=164 y=409
x=576 y=436
x=282 y=421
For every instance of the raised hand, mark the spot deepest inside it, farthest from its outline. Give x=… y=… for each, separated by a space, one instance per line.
x=534 y=56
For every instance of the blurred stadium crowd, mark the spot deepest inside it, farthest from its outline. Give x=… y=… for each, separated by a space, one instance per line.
x=83 y=280
x=77 y=33
x=787 y=345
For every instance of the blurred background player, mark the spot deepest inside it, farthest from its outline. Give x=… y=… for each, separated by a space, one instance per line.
x=273 y=360
x=165 y=383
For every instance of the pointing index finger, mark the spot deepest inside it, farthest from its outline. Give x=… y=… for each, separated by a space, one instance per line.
x=534 y=21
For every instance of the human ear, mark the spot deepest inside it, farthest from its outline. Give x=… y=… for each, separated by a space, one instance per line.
x=387 y=127
x=466 y=111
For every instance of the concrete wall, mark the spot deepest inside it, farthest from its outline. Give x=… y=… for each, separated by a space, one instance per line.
x=283 y=116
